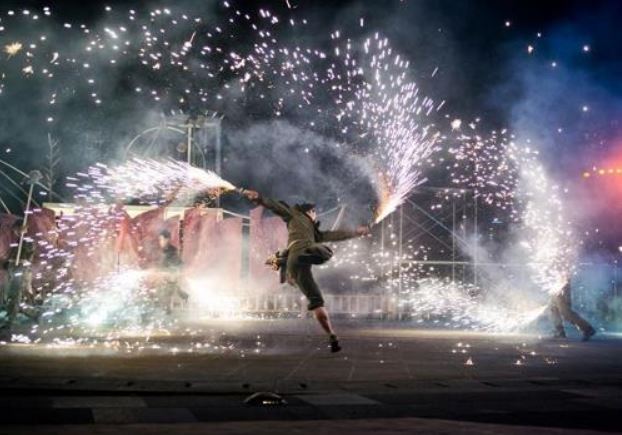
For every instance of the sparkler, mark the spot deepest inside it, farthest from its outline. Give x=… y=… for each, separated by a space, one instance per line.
x=140 y=178
x=384 y=109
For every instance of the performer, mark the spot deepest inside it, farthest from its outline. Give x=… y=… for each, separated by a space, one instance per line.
x=18 y=283
x=170 y=264
x=304 y=249
x=561 y=309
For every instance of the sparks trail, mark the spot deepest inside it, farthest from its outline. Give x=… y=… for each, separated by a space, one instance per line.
x=144 y=178
x=385 y=110
x=181 y=59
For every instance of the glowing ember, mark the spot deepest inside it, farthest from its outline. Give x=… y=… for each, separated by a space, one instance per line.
x=13 y=48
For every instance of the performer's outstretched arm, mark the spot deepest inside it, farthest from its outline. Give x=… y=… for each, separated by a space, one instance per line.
x=340 y=235
x=277 y=207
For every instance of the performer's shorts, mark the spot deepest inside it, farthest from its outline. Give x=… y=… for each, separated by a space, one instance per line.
x=307 y=285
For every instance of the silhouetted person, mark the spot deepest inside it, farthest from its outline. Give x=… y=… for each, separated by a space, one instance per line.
x=561 y=309
x=18 y=283
x=304 y=249
x=170 y=264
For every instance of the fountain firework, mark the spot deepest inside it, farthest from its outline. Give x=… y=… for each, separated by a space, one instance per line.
x=360 y=90
x=143 y=178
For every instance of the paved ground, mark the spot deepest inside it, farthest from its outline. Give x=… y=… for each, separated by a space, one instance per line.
x=433 y=381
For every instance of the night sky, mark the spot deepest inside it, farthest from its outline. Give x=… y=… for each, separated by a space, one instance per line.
x=563 y=93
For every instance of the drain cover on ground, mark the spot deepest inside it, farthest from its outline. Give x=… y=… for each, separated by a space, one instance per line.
x=265 y=398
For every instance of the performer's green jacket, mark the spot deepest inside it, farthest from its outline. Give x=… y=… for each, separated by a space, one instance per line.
x=302 y=231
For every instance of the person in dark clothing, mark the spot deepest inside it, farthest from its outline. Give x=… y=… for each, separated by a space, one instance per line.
x=18 y=282
x=304 y=249
x=170 y=264
x=170 y=256
x=561 y=309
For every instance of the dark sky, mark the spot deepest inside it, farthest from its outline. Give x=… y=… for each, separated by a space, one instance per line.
x=485 y=69
x=469 y=35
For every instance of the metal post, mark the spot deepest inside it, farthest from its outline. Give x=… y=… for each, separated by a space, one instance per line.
x=400 y=285
x=218 y=154
x=453 y=240
x=464 y=230
x=189 y=143
x=401 y=249
x=615 y=278
x=24 y=224
x=382 y=248
x=475 y=235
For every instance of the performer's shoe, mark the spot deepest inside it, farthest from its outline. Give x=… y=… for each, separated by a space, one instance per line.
x=587 y=334
x=334 y=344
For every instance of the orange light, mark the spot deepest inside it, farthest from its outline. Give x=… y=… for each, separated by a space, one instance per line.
x=586 y=175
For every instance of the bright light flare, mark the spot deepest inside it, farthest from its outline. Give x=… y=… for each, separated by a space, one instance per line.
x=13 y=48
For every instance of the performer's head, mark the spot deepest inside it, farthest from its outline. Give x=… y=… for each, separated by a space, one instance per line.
x=16 y=227
x=309 y=209
x=164 y=239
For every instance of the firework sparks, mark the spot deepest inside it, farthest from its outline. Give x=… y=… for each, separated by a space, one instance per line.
x=377 y=111
x=13 y=48
x=140 y=178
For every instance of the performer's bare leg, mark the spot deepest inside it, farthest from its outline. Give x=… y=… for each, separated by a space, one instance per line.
x=321 y=316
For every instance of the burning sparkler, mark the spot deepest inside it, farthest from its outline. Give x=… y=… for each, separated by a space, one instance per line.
x=141 y=178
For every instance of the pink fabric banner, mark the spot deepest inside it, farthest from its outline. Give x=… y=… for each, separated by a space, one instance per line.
x=198 y=242
x=212 y=249
x=6 y=238
x=172 y=225
x=191 y=229
x=97 y=242
x=6 y=235
x=267 y=235
x=126 y=245
x=225 y=261
x=147 y=227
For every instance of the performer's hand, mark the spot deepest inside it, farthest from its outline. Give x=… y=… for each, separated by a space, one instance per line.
x=251 y=194
x=362 y=230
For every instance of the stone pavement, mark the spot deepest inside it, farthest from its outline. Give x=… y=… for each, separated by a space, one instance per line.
x=388 y=377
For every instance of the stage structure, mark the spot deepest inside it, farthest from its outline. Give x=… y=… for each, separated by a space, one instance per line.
x=448 y=231
x=16 y=185
x=194 y=139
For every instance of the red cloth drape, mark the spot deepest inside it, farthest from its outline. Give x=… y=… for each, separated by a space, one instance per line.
x=224 y=260
x=6 y=238
x=6 y=235
x=146 y=229
x=96 y=240
x=125 y=245
x=212 y=248
x=172 y=225
x=191 y=229
x=267 y=235
x=198 y=243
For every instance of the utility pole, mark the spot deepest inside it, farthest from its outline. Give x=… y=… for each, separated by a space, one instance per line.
x=475 y=237
x=33 y=178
